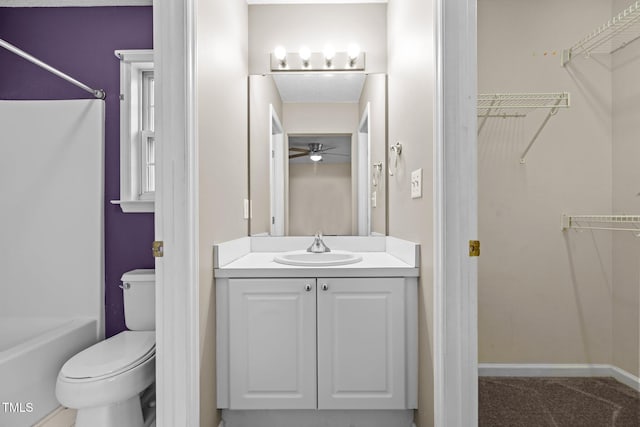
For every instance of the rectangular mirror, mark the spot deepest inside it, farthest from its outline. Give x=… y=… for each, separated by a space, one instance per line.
x=317 y=148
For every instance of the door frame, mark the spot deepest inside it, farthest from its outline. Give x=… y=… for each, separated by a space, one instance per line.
x=455 y=213
x=276 y=173
x=363 y=174
x=176 y=216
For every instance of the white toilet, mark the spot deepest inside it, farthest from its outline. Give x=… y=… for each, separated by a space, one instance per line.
x=106 y=381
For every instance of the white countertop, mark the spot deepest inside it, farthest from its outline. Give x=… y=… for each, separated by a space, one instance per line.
x=261 y=264
x=382 y=256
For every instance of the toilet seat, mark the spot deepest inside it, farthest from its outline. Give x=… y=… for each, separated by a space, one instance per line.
x=110 y=357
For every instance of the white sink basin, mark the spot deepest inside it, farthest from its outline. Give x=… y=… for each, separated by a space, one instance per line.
x=310 y=259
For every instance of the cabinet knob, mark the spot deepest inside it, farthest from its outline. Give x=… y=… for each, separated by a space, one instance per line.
x=325 y=287
x=308 y=287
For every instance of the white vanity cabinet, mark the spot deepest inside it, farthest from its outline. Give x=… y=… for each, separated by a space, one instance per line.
x=317 y=343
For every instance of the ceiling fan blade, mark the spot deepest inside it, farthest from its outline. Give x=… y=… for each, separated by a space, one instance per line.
x=305 y=150
x=326 y=149
x=293 y=156
x=336 y=154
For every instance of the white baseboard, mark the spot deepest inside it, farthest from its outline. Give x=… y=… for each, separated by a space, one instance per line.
x=558 y=370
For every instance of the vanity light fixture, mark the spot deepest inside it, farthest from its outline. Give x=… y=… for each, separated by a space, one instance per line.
x=306 y=60
x=281 y=55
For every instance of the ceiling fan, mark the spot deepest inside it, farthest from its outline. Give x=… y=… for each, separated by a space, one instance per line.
x=315 y=152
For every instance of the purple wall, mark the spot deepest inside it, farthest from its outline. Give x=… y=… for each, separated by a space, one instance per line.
x=80 y=42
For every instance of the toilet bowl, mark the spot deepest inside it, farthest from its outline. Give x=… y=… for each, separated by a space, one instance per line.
x=105 y=381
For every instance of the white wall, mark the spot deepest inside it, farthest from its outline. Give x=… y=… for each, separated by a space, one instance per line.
x=626 y=186
x=52 y=231
x=221 y=86
x=544 y=296
x=292 y=26
x=411 y=85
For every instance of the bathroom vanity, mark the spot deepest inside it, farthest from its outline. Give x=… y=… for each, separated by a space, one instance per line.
x=317 y=337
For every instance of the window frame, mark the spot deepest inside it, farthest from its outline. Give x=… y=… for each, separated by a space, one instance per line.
x=135 y=130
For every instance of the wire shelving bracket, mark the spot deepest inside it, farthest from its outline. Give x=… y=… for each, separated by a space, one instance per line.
x=601 y=222
x=495 y=104
x=618 y=32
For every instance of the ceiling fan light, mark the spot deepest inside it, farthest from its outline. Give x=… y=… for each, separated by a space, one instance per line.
x=315 y=157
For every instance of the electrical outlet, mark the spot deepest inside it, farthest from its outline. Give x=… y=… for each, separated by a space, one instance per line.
x=416 y=183
x=374 y=199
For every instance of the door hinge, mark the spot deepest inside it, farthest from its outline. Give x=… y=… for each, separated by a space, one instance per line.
x=158 y=249
x=273 y=220
x=474 y=247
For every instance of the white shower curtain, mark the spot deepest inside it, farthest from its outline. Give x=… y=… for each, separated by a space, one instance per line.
x=51 y=216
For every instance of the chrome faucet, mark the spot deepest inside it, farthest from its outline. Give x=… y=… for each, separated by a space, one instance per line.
x=318 y=245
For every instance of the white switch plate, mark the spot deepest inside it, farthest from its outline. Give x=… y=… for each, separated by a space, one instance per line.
x=416 y=183
x=374 y=199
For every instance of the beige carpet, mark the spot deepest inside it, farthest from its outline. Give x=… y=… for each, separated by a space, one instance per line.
x=557 y=402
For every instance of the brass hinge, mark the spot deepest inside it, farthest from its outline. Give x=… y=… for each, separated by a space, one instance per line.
x=474 y=247
x=158 y=249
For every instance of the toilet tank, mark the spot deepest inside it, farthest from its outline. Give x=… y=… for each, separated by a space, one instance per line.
x=139 y=292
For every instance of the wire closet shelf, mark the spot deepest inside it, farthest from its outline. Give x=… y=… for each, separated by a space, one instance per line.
x=610 y=37
x=496 y=105
x=601 y=222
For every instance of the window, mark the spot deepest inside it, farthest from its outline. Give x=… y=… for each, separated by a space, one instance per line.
x=137 y=137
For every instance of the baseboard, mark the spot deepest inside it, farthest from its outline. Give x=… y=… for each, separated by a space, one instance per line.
x=625 y=378
x=558 y=370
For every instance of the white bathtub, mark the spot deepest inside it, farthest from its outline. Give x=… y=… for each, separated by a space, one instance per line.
x=32 y=351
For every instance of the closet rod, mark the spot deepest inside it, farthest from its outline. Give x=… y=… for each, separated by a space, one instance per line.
x=98 y=93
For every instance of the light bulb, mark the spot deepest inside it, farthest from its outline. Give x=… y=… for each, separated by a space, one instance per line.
x=280 y=53
x=305 y=53
x=315 y=157
x=329 y=52
x=353 y=51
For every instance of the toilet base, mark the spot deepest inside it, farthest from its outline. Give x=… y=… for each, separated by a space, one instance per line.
x=127 y=413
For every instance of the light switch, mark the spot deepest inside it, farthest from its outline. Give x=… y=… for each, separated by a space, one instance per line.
x=416 y=183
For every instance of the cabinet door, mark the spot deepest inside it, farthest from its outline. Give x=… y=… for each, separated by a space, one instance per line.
x=272 y=342
x=361 y=343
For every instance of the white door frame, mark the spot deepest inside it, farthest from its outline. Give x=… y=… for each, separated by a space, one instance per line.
x=176 y=216
x=455 y=204
x=363 y=173
x=276 y=173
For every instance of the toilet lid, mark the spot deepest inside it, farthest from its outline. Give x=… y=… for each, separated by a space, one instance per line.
x=111 y=356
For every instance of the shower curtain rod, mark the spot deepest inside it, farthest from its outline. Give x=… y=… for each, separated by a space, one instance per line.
x=98 y=93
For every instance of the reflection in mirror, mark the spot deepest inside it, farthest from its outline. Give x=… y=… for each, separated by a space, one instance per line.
x=317 y=144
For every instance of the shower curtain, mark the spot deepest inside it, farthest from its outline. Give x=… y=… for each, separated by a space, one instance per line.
x=51 y=219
